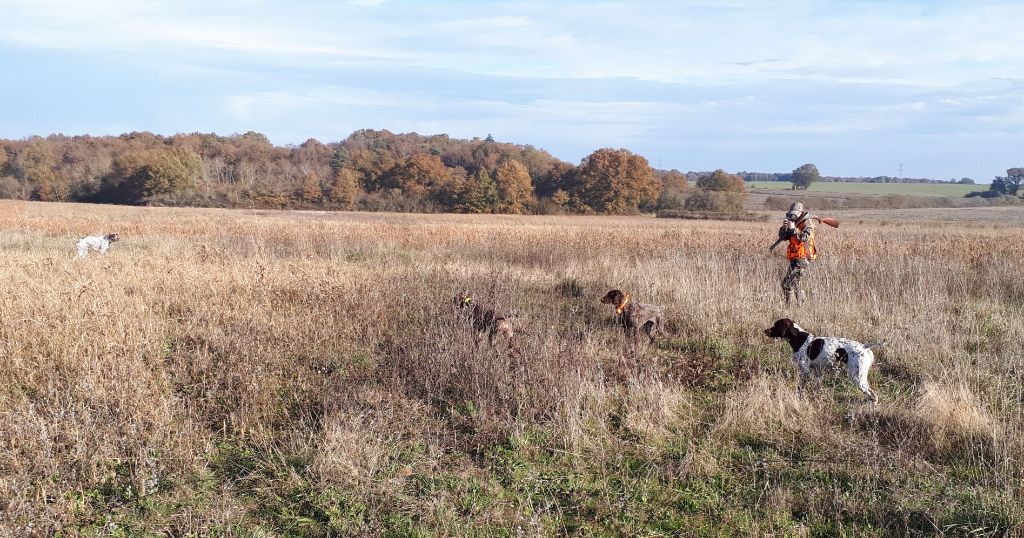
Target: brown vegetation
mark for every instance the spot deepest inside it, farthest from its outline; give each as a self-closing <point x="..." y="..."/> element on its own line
<point x="369" y="170"/>
<point x="259" y="372"/>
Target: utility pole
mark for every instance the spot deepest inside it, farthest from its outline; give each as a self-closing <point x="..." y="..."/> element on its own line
<point x="900" y="174"/>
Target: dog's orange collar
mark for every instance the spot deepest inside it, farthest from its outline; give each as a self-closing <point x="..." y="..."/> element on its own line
<point x="621" y="307"/>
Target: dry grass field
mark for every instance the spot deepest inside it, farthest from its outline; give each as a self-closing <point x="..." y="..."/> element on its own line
<point x="239" y="373"/>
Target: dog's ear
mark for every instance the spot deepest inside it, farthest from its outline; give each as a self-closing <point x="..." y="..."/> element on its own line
<point x="789" y="328"/>
<point x="612" y="297"/>
<point x="782" y="328"/>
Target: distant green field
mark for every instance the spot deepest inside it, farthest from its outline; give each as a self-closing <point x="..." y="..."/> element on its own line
<point x="919" y="189"/>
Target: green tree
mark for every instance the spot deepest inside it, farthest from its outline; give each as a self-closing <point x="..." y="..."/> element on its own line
<point x="720" y="181"/>
<point x="804" y="176"/>
<point x="719" y="192"/>
<point x="172" y="172"/>
<point x="614" y="181"/>
<point x="997" y="187"/>
<point x="1013" y="181"/>
<point x="339" y="160"/>
<point x="515" y="189"/>
<point x="481" y="193"/>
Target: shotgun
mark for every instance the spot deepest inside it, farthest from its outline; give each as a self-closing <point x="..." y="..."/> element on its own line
<point x="828" y="220"/>
<point x="785" y="231"/>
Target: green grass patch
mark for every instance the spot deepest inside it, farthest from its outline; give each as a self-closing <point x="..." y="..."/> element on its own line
<point x="916" y="189"/>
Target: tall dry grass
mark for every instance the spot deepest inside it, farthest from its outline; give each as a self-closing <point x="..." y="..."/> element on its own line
<point x="241" y="372"/>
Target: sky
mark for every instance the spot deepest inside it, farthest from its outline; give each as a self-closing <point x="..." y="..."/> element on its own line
<point x="856" y="87"/>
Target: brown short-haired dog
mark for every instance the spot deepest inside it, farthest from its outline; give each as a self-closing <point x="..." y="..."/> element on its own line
<point x="634" y="316"/>
<point x="485" y="318"/>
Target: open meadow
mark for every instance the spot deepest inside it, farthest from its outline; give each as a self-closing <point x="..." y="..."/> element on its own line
<point x="261" y="373"/>
<point x="851" y="187"/>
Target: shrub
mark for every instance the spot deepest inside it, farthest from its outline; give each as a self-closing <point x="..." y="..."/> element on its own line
<point x="711" y="215"/>
<point x="714" y="201"/>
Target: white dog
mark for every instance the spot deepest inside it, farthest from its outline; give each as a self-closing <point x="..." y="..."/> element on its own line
<point x="99" y="243"/>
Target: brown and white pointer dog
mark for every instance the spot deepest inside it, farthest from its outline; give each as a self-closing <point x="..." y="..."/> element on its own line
<point x="814" y="352"/>
<point x="485" y="318"/>
<point x="634" y="316"/>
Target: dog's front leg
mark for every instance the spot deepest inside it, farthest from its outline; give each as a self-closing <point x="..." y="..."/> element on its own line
<point x="805" y="372"/>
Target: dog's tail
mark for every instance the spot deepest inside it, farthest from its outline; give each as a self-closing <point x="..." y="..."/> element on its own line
<point x="875" y="344"/>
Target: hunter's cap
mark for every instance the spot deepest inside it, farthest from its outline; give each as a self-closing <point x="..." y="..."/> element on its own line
<point x="795" y="211"/>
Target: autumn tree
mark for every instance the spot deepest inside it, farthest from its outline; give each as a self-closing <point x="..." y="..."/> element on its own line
<point x="674" y="187"/>
<point x="418" y="175"/>
<point x="248" y="170"/>
<point x="345" y="188"/>
<point x="804" y="176"/>
<point x="452" y="193"/>
<point x="560" y="198"/>
<point x="313" y="155"/>
<point x="35" y="165"/>
<point x="311" y="190"/>
<point x="515" y="189"/>
<point x="614" y="181"/>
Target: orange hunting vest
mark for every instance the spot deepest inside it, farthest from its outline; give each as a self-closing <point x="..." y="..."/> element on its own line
<point x="797" y="249"/>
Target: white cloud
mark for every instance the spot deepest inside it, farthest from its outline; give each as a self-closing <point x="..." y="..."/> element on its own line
<point x="662" y="75"/>
<point x="901" y="42"/>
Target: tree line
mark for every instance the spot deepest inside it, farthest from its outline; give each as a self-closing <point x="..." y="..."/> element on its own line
<point x="369" y="170"/>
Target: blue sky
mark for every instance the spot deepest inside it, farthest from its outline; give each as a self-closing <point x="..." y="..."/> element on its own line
<point x="856" y="87"/>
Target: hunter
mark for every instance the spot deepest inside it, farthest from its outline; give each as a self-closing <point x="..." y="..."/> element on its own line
<point x="798" y="229"/>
